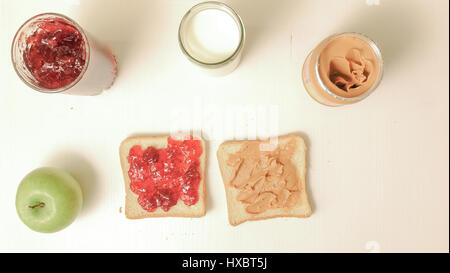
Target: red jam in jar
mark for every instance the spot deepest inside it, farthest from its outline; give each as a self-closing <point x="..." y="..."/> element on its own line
<point x="160" y="177"/>
<point x="55" y="53"/>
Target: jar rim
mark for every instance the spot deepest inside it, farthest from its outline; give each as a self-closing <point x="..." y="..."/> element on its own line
<point x="377" y="53"/>
<point x="212" y="5"/>
<point x="86" y="46"/>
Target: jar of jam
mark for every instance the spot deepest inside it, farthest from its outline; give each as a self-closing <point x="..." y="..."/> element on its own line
<point x="51" y="53"/>
<point x="343" y="69"/>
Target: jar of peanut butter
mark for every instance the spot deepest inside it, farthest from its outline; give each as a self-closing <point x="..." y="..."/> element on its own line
<point x="343" y="69"/>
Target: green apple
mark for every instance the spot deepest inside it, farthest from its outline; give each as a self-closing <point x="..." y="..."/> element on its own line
<point x="48" y="200"/>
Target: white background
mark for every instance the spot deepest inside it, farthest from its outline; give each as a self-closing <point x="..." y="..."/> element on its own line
<point x="378" y="172"/>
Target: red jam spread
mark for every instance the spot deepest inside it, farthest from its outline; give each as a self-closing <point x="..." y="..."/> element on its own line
<point x="162" y="176"/>
<point x="55" y="54"/>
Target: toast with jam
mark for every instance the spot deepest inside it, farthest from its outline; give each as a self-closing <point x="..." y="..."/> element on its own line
<point x="164" y="176"/>
<point x="264" y="179"/>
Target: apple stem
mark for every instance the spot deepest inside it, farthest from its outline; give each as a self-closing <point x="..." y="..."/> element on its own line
<point x="40" y="205"/>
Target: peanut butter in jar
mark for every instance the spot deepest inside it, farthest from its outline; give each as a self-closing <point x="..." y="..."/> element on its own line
<point x="343" y="69"/>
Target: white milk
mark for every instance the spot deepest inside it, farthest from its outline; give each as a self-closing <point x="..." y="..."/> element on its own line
<point x="212" y="36"/>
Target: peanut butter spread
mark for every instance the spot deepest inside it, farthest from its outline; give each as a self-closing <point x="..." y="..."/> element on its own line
<point x="348" y="66"/>
<point x="265" y="179"/>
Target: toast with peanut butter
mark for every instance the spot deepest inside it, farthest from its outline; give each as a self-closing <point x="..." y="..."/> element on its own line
<point x="264" y="180"/>
<point x="164" y="176"/>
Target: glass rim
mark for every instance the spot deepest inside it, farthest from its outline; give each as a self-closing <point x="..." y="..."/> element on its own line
<point x="220" y="6"/>
<point x="87" y="50"/>
<point x="375" y="49"/>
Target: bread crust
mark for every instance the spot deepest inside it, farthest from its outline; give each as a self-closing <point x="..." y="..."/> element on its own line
<point x="132" y="208"/>
<point x="231" y="198"/>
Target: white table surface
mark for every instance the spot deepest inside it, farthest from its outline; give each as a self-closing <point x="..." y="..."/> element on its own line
<point x="378" y="170"/>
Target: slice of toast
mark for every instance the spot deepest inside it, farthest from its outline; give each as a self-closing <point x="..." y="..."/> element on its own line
<point x="133" y="209"/>
<point x="237" y="212"/>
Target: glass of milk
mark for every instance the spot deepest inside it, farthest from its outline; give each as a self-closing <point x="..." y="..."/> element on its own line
<point x="212" y="36"/>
